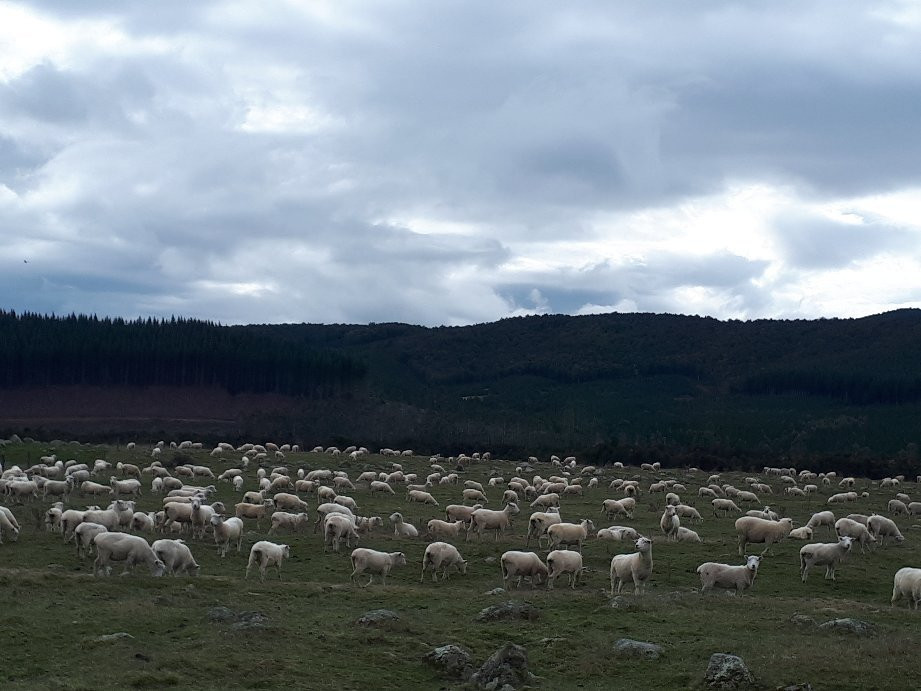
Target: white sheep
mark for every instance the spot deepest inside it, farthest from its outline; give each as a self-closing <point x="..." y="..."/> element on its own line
<point x="564" y="561"/>
<point x="372" y="562"/>
<point x="724" y="505"/>
<point x="227" y="530"/>
<point x="128" y="549"/>
<point x="289" y="502"/>
<point x="881" y="528"/>
<point x="669" y="523"/>
<point x="443" y="529"/>
<point x="441" y="555"/>
<point x="756" y="530"/>
<point x="488" y="519"/>
<point x="686" y="535"/>
<point x="538" y="523"/>
<point x="636" y="566"/>
<point x="289" y="521"/>
<point x="826" y="518"/>
<point x="267" y="554"/>
<point x="336" y="528"/>
<point x="421" y="497"/>
<point x="516" y="564"/>
<point x="825" y="554"/>
<point x="854" y="529"/>
<point x="689" y="512"/>
<point x="803" y="533"/>
<point x="177" y="557"/>
<point x="907" y="584"/>
<point x="714" y="575"/>
<point x="615" y="507"/>
<point x="570" y="533"/>
<point x="401" y="528"/>
<point x="83" y="537"/>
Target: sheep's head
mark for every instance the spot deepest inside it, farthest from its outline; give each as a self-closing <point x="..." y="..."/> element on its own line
<point x="846" y="541"/>
<point x="644" y="544"/>
<point x="463" y="567"/>
<point x="752" y="563"/>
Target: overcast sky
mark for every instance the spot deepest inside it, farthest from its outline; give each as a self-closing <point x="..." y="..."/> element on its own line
<point x="459" y="162"/>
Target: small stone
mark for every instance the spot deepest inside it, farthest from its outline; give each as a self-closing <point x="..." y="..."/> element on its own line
<point x="221" y="614"/>
<point x="848" y="625"/>
<point x="727" y="672"/>
<point x="622" y="602"/>
<point x="495" y="591"/>
<point x="626" y="647"/>
<point x="109" y="637"/>
<point x="491" y="560"/>
<point x="805" y="686"/>
<point x="505" y="670"/>
<point x="250" y="620"/>
<point x="509" y="610"/>
<point x="377" y="616"/>
<point x="452" y="660"/>
<point x="802" y="620"/>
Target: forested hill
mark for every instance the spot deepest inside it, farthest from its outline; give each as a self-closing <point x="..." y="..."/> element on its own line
<point x="606" y="384"/>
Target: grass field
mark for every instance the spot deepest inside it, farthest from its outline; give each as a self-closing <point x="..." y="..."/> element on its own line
<point x="52" y="608"/>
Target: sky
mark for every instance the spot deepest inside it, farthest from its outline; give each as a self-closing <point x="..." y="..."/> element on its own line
<point x="458" y="162"/>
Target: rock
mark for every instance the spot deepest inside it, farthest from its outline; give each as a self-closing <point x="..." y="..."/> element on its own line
<point x="251" y="620"/>
<point x="626" y="647"/>
<point x="509" y="610"/>
<point x="221" y="614"/>
<point x="377" y="616"/>
<point x="452" y="660"/>
<point x="848" y="625"/>
<point x="109" y="637"/>
<point x="495" y="591"/>
<point x="727" y="672"/>
<point x="491" y="560"/>
<point x="622" y="602"/>
<point x="803" y="620"/>
<point x="805" y="686"/>
<point x="507" y="668"/>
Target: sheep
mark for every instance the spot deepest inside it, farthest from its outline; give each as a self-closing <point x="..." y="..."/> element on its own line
<point x="764" y="513"/>
<point x="914" y="508"/>
<point x="441" y="555"/>
<point x="323" y="510"/>
<point x="826" y="554"/>
<point x="686" y="535"/>
<point x="365" y="524"/>
<point x="53" y="518"/>
<point x="546" y="501"/>
<point x="267" y="554"/>
<point x="570" y="533"/>
<point x="564" y="561"/>
<point x="487" y="519"/>
<point x="636" y="566"/>
<point x="336" y="528"/>
<point x="372" y="562"/>
<point x="439" y="528"/>
<point x="669" y="523"/>
<point x="130" y="549"/>
<point x="724" y="505"/>
<point x="714" y="575"/>
<point x="897" y="507"/>
<point x="459" y="512"/>
<point x="522" y="565"/>
<point x="225" y="531"/>
<point x="882" y="527"/>
<point x="689" y="512"/>
<point x="326" y="494"/>
<point x="176" y="556"/>
<point x="754" y="530"/>
<point x="907" y="584"/>
<point x="401" y="528"/>
<point x="201" y="518"/>
<point x="143" y="522"/>
<point x="289" y="521"/>
<point x="378" y="486"/>
<point x="539" y="522"/>
<point x="257" y="511"/>
<point x="57" y="488"/>
<point x="474" y="495"/>
<point x="804" y="533"/>
<point x="842" y="497"/>
<point x="855" y="530"/>
<point x="706" y="492"/>
<point x="614" y="507"/>
<point x="826" y="518"/>
<point x="618" y="533"/>
<point x="289" y="502"/>
<point x="421" y="497"/>
<point x="83" y="537"/>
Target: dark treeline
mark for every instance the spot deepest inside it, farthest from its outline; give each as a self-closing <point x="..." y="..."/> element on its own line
<point x="39" y="350"/>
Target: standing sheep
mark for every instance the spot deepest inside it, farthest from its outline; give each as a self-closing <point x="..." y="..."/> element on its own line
<point x="825" y="554"/>
<point x="564" y="561"/>
<point x="636" y="566"/>
<point x="372" y="562"/>
<point x="756" y="530"/>
<point x="441" y="555"/>
<point x="907" y="584"/>
<point x="522" y="565"/>
<point x="714" y="575"/>
<point x="267" y="554"/>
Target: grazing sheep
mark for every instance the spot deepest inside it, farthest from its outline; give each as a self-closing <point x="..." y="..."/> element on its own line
<point x="615" y="507"/>
<point x="143" y="522"/>
<point x="826" y="554"/>
<point x="441" y="555"/>
<point x="257" y="511"/>
<point x="323" y="510"/>
<point x="689" y="512"/>
<point x="739" y="578"/>
<point x="546" y="501"/>
<point x="853" y="529"/>
<point x="636" y="566"/>
<point x="564" y="561"/>
<point x="225" y="531"/>
<point x="764" y="513"/>
<point x="746" y="496"/>
<point x="401" y="528"/>
<point x="882" y="527"/>
<point x="896" y="507"/>
<point x="347" y="502"/>
<point x="538" y="523"/>
<point x="474" y="495"/>
<point x="487" y="519"/>
<point x="378" y="486"/>
<point x="459" y="512"/>
<point x="176" y="556"/>
<point x="267" y="554"/>
<point x="129" y="549"/>
<point x="372" y="562"/>
<point x="289" y="521"/>
<point x="842" y="497"/>
<point x="289" y="502"/>
<point x="83" y="537"/>
<point x="907" y="584"/>
<point x="725" y="506"/>
<point x="755" y="530"/>
<point x="421" y="497"/>
<point x="826" y="518"/>
<point x="522" y="565"/>
<point x="570" y="533"/>
<point x="914" y="508"/>
<point x="618" y="533"/>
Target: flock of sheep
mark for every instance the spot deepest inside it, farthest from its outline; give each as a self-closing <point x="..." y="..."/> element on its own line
<point x="272" y="491"/>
